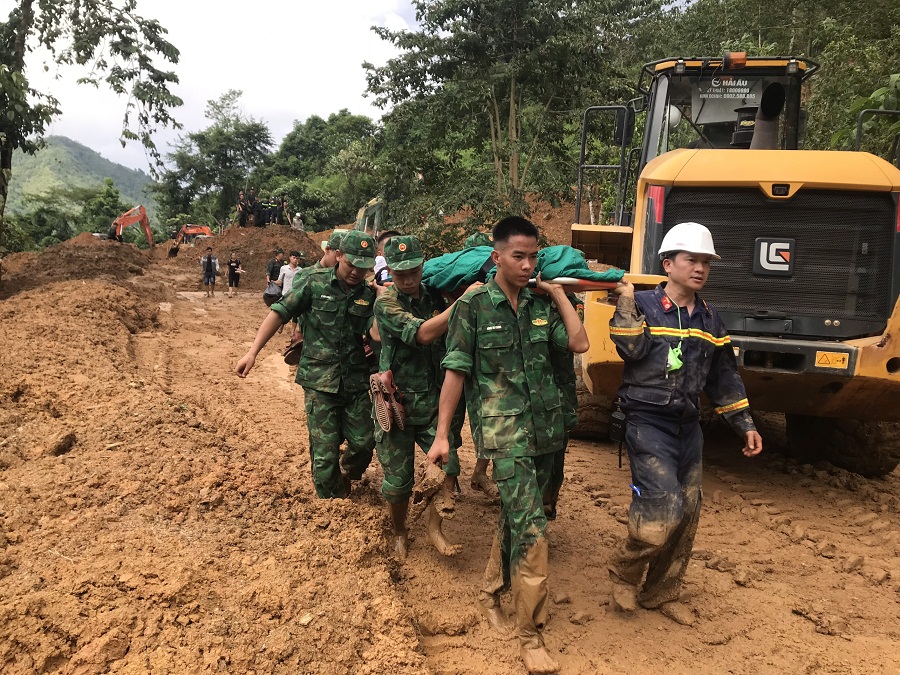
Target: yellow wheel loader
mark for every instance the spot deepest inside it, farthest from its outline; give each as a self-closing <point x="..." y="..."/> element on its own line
<point x="809" y="278"/>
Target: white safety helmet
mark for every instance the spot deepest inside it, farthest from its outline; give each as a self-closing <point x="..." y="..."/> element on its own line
<point x="690" y="237"/>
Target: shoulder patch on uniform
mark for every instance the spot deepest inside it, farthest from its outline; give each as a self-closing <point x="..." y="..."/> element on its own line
<point x="666" y="303"/>
<point x="493" y="327"/>
<point x="360" y="301"/>
<point x="539" y="321"/>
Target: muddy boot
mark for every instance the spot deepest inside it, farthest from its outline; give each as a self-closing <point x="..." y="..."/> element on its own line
<point x="400" y="537"/>
<point x="436" y="535"/>
<point x="489" y="597"/>
<point x="530" y="596"/>
<point x="677" y="612"/>
<point x="624" y="597"/>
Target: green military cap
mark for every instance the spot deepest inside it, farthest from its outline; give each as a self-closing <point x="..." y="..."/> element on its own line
<point x="403" y="253"/>
<point x="334" y="241"/>
<point x="359" y="248"/>
<point x="479" y="239"/>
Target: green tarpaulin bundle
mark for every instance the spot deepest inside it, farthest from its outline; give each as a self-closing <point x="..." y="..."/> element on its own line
<point x="452" y="271"/>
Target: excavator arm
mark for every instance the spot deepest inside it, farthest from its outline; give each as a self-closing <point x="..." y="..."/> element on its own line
<point x="136" y="215"/>
<point x="192" y="230"/>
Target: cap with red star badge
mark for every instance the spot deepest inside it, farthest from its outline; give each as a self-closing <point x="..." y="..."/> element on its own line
<point x="403" y="253"/>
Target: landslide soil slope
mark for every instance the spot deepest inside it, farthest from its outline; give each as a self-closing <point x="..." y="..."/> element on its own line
<point x="158" y="515"/>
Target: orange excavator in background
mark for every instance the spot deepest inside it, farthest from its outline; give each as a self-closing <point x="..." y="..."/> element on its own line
<point x="192" y="231"/>
<point x="136" y="215"/>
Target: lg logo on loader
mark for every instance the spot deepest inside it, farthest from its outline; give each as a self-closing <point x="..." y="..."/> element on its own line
<point x="774" y="257"/>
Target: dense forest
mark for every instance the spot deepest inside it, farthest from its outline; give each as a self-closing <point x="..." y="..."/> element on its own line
<point x="483" y="106"/>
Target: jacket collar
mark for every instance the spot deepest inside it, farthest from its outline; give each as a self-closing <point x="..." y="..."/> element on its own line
<point x="669" y="306"/>
<point x="497" y="295"/>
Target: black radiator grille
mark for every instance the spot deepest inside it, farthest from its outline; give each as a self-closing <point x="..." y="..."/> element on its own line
<point x="842" y="259"/>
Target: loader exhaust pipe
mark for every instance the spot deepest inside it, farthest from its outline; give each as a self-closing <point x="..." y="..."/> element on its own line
<point x="765" y="131"/>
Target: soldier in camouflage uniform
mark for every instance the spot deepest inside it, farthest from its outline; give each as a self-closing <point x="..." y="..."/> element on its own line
<point x="336" y="307"/>
<point x="412" y="320"/>
<point x="480" y="480"/>
<point x="498" y="346"/>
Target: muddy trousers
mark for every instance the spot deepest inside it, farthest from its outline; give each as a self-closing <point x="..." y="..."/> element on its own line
<point x="519" y="555"/>
<point x="554" y="485"/>
<point x="397" y="455"/>
<point x="332" y="418"/>
<point x="665" y="454"/>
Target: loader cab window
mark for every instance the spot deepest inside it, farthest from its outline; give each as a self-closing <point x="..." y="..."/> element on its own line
<point x="691" y="111"/>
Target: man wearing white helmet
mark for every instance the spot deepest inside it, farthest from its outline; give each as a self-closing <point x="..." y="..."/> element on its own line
<point x="674" y="346"/>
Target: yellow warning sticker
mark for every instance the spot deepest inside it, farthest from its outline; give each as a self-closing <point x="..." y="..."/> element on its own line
<point x="832" y="360"/>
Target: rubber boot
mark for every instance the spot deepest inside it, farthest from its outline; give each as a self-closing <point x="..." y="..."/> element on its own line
<point x="489" y="596"/>
<point x="400" y="536"/>
<point x="530" y="598"/>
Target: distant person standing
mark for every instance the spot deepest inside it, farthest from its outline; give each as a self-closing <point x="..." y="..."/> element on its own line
<point x="210" y="265"/>
<point x="286" y="278"/>
<point x="242" y="209"/>
<point x="288" y="272"/>
<point x="273" y="271"/>
<point x="297" y="222"/>
<point x="273" y="268"/>
<point x="234" y="274"/>
<point x="251" y="208"/>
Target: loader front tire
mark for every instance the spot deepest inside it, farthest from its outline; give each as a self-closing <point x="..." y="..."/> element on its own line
<point x="871" y="449"/>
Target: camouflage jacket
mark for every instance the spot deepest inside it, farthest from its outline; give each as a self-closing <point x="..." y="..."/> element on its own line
<point x="644" y="329"/>
<point x="334" y="322"/>
<point x="416" y="368"/>
<point x="505" y="357"/>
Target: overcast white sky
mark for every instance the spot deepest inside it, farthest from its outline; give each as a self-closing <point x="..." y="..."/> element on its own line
<point x="291" y="60"/>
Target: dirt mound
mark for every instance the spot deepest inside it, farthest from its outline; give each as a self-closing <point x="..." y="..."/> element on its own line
<point x="83" y="257"/>
<point x="84" y="239"/>
<point x="144" y="526"/>
<point x="254" y="247"/>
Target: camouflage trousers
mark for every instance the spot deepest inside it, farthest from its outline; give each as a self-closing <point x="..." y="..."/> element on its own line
<point x="666" y="472"/>
<point x="397" y="454"/>
<point x="332" y="418"/>
<point x="557" y="475"/>
<point x="522" y="482"/>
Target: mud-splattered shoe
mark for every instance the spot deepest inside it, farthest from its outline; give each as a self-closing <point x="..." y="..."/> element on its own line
<point x="380" y="400"/>
<point x="624" y="597"/>
<point x="392" y="397"/>
<point x="678" y="612"/>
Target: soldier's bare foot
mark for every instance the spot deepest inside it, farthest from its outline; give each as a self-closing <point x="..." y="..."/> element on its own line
<point x="538" y="661"/>
<point x="490" y="609"/>
<point x="401" y="545"/>
<point x="482" y="483"/>
<point x="436" y="534"/>
<point x="678" y="613"/>
<point x="624" y="597"/>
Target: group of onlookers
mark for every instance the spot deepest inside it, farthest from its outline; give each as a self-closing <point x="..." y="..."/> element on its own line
<point x="253" y="211"/>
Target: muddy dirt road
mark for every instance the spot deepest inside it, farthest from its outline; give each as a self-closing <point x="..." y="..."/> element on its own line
<point x="158" y="516"/>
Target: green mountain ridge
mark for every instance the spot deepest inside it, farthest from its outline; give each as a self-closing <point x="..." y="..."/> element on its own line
<point x="67" y="163"/>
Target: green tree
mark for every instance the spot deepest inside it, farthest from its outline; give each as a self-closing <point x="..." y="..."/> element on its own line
<point x="208" y="168"/>
<point x="116" y="43"/>
<point x="100" y="210"/>
<point x="492" y="87"/>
